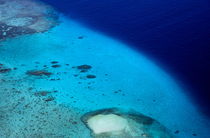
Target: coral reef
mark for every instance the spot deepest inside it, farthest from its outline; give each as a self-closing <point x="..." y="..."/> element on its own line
<point x="18" y="17"/>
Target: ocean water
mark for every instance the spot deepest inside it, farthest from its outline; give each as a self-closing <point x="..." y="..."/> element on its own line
<point x="173" y="33"/>
<point x="123" y="74"/>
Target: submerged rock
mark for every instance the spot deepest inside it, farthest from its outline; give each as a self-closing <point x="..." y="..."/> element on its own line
<point x="116" y="123"/>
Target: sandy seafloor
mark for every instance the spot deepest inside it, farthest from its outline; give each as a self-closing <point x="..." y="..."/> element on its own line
<point x="125" y="78"/>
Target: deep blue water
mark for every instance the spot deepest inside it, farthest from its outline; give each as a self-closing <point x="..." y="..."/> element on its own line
<point x="174" y="33"/>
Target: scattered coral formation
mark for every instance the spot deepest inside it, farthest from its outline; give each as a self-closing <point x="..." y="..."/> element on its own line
<point x="28" y="111"/>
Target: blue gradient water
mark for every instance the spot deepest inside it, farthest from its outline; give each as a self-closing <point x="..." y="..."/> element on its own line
<point x="173" y="33"/>
<point x="148" y="56"/>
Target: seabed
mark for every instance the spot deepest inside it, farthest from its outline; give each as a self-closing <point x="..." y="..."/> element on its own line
<point x="51" y="76"/>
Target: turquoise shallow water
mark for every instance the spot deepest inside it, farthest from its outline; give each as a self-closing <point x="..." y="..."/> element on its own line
<point x="124" y="78"/>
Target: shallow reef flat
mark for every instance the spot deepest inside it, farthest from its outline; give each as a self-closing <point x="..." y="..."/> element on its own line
<point x="18" y="17"/>
<point x="27" y="114"/>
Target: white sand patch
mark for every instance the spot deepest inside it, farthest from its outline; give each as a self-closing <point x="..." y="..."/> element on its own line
<point x="119" y="123"/>
<point x="107" y="123"/>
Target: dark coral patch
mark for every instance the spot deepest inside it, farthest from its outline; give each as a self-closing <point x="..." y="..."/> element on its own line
<point x="91" y="76"/>
<point x="5" y="70"/>
<point x="80" y="37"/>
<point x="194" y="134"/>
<point x="84" y="67"/>
<point x="42" y="93"/>
<point x="176" y="132"/>
<point x="54" y="62"/>
<point x="50" y="99"/>
<point x="39" y="73"/>
<point x="56" y="66"/>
